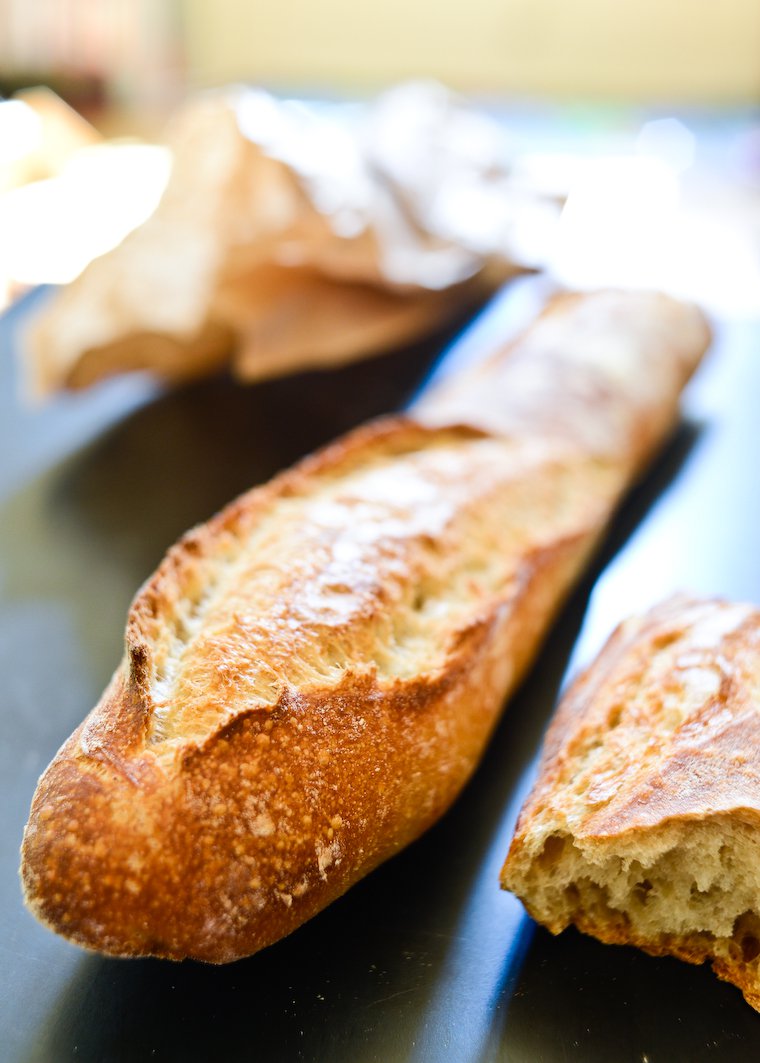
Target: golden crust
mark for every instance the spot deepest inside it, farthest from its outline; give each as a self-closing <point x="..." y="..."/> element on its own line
<point x="311" y="677"/>
<point x="643" y="826"/>
<point x="704" y="657"/>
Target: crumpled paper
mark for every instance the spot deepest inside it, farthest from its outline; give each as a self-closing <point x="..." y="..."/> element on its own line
<point x="296" y="234"/>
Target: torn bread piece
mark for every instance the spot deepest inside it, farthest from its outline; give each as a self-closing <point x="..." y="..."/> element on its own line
<point x="289" y="319"/>
<point x="292" y="237"/>
<point x="644" y="825"/>
<point x="311" y="677"/>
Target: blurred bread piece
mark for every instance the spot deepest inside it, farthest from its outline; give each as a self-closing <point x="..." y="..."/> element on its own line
<point x="288" y="319"/>
<point x="643" y="827"/>
<point x="147" y="303"/>
<point x="283" y="240"/>
<point x="40" y="134"/>
<point x="311" y="677"/>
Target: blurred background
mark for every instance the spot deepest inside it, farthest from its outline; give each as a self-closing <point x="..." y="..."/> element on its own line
<point x="593" y="81"/>
<point x="150" y="52"/>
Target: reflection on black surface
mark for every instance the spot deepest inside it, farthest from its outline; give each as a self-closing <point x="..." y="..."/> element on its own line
<point x="604" y="1003"/>
<point x="645" y="494"/>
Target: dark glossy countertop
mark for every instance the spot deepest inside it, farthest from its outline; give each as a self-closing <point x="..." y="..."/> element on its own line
<point x="426" y="959"/>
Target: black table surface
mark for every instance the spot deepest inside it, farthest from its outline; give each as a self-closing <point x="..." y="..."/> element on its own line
<point x="426" y="960"/>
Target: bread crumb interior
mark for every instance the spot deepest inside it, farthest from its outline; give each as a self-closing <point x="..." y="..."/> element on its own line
<point x="701" y="884"/>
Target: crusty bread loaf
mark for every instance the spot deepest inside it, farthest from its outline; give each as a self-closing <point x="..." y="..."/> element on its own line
<point x="644" y="825"/>
<point x="311" y="677"/>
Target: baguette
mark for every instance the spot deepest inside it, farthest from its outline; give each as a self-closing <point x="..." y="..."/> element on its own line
<point x="644" y="825"/>
<point x="311" y="677"/>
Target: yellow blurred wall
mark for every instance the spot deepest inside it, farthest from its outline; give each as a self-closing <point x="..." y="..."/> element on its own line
<point x="703" y="50"/>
